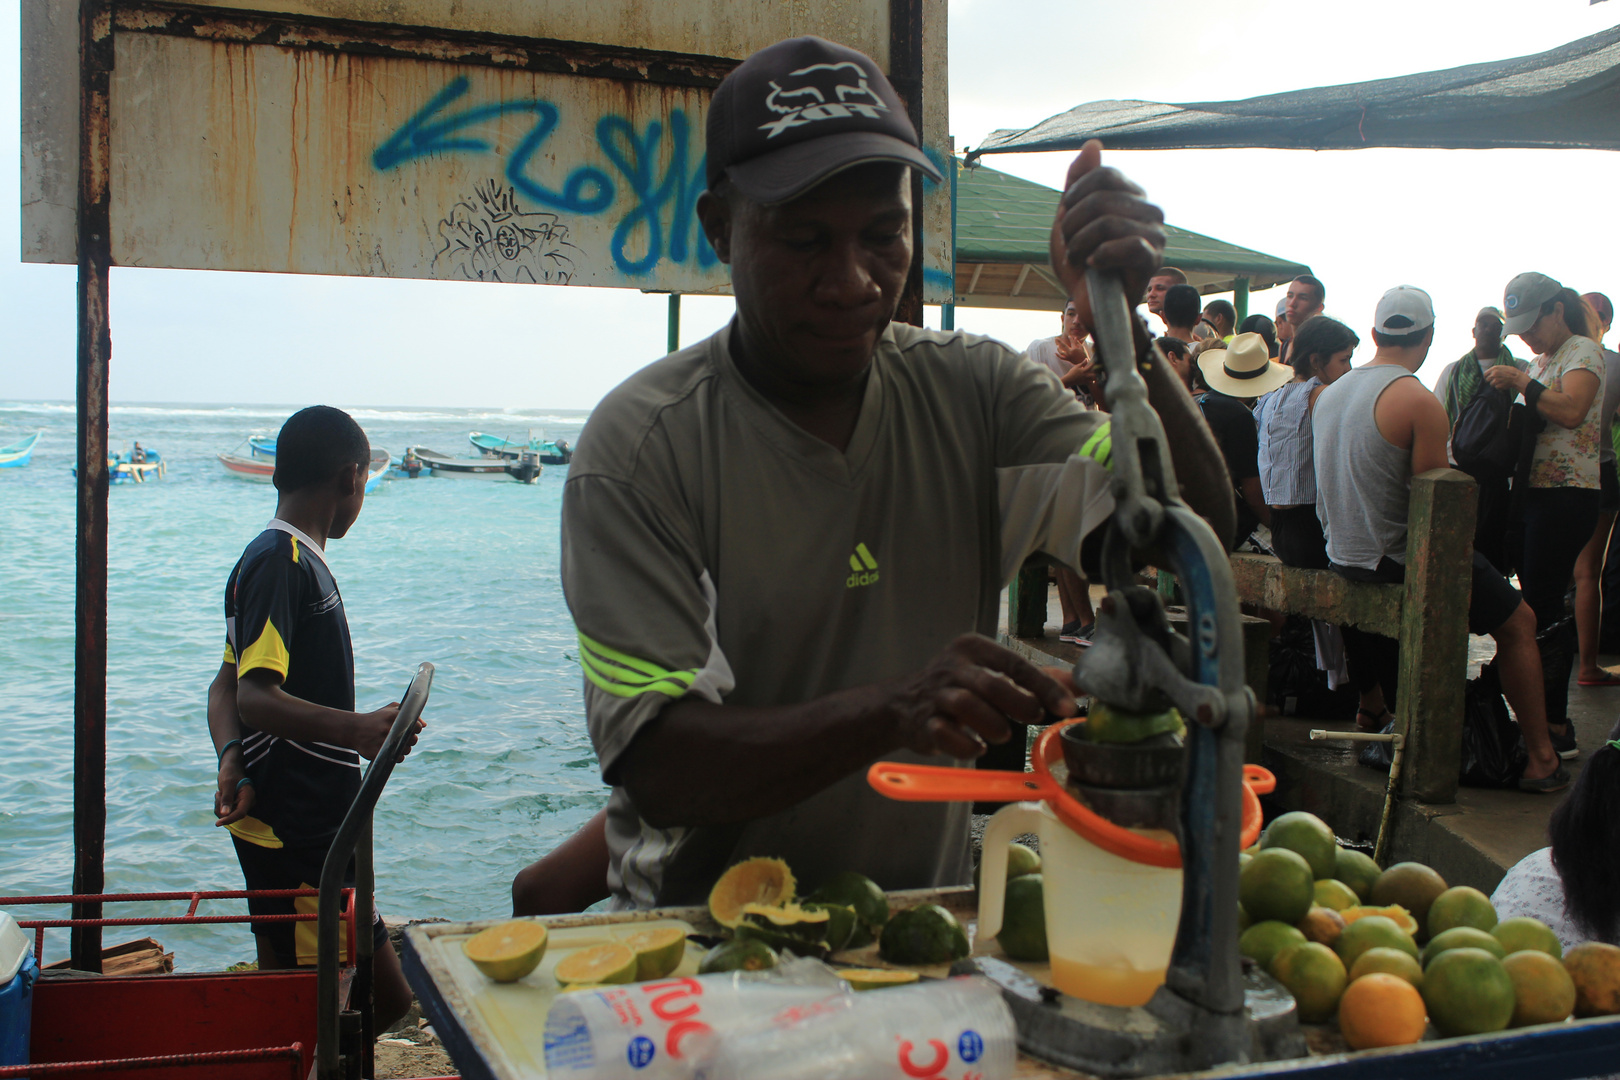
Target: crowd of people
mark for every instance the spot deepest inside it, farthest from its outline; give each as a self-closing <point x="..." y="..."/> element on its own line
<point x="1280" y="395"/>
<point x="784" y="547"/>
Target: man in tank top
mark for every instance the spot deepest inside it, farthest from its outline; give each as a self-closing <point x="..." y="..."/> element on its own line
<point x="1373" y="430"/>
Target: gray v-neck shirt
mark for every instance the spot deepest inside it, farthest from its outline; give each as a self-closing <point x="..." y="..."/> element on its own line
<point x="712" y="547"/>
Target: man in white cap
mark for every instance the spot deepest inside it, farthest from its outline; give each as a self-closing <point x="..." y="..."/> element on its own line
<point x="1375" y="428"/>
<point x="784" y="547"/>
<point x="1459" y="383"/>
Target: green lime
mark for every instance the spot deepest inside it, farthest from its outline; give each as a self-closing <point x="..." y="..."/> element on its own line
<point x="1023" y="919"/>
<point x="1307" y="834"/>
<point x="1277" y="885"/>
<point x="925" y="934"/>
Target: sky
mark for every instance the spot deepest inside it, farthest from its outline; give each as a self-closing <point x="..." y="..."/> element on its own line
<point x="1459" y="223"/>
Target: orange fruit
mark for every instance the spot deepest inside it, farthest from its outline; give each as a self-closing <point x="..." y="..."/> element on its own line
<point x="1468" y="992"/>
<point x="1277" y="885"/>
<point x="1394" y="912"/>
<point x="1381" y="1009"/>
<point x="1543" y="992"/>
<point x="1412" y="885"/>
<point x="1388" y="962"/>
<point x="1372" y="932"/>
<point x="1595" y="968"/>
<point x="1315" y="975"/>
<point x="1321" y="924"/>
<point x="1264" y="940"/>
<point x="1461" y="905"/>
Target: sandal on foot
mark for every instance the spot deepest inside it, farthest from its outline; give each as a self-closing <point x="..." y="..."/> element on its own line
<point x="1605" y="678"/>
<point x="1378" y="720"/>
<point x="1558" y="780"/>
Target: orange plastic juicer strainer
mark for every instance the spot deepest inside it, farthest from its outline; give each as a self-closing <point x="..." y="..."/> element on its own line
<point x="935" y="783"/>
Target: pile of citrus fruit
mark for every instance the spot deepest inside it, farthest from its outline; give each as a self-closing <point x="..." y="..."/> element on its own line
<point x="755" y="901"/>
<point x="1392" y="951"/>
<point x="511" y="950"/>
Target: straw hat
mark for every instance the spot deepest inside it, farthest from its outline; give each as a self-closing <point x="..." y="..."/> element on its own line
<point x="1244" y="368"/>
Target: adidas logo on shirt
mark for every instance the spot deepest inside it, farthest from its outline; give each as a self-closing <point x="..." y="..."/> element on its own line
<point x="864" y="566"/>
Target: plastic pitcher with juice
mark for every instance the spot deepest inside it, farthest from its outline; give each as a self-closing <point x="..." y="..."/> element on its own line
<point x="1110" y="922"/>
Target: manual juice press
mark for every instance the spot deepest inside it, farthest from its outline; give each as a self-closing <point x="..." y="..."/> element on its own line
<point x="1139" y="842"/>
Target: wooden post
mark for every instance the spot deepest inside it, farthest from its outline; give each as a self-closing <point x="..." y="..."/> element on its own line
<point x="674" y="322"/>
<point x="94" y="354"/>
<point x="1026" y="600"/>
<point x="1434" y="632"/>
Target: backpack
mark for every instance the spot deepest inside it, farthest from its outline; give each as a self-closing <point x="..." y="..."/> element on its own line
<point x="1488" y="435"/>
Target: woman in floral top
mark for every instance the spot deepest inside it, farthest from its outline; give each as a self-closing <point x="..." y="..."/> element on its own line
<point x="1560" y="507"/>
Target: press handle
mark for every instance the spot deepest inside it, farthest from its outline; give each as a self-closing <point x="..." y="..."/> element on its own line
<point x="941" y="783"/>
<point x="1009" y="823"/>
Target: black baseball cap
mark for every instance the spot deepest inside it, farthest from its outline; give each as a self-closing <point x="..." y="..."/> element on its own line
<point x="799" y="111"/>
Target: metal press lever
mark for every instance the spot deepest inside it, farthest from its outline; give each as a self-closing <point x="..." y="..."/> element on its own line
<point x="1137" y="662"/>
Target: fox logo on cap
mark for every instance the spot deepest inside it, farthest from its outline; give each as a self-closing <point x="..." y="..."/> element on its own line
<point x="821" y="92"/>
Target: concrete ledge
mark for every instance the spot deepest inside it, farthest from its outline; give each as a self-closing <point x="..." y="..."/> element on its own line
<point x="1473" y="841"/>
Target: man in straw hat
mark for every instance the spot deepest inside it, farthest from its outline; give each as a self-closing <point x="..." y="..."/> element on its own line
<point x="1373" y="429"/>
<point x="772" y="541"/>
<point x="1235" y="376"/>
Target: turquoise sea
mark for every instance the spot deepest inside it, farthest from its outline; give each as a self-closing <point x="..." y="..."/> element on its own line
<point x="462" y="573"/>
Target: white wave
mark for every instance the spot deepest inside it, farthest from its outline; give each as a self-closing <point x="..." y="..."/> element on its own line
<point x="499" y="418"/>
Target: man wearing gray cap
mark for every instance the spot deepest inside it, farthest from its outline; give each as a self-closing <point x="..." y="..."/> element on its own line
<point x="784" y="547"/>
<point x="1459" y="383"/>
<point x="1374" y="429"/>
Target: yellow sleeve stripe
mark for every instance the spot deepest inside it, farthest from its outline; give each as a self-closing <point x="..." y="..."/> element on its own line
<point x="230" y="654"/>
<point x="1099" y="447"/>
<point x="622" y="675"/>
<point x="268" y="652"/>
<point x="294" y="540"/>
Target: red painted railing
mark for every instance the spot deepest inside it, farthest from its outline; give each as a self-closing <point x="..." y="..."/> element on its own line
<point x="39" y="926"/>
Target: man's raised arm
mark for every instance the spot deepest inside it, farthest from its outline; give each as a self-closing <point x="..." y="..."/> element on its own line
<point x="1104" y="221"/>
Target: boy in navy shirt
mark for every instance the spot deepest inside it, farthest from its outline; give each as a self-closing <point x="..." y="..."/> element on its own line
<point x="281" y="709"/>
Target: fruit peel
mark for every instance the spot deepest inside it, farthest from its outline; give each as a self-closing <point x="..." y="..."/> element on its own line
<point x="759" y="880"/>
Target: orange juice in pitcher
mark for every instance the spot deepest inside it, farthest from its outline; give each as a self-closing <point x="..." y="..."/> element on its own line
<point x="1110" y="922"/>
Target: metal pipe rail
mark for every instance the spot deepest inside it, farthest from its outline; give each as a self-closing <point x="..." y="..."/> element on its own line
<point x="356" y="824"/>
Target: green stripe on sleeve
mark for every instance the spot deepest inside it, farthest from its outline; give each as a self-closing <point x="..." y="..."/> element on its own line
<point x="625" y="676"/>
<point x="1099" y="446"/>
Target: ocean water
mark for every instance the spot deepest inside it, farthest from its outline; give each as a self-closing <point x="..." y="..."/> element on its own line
<point x="462" y="573"/>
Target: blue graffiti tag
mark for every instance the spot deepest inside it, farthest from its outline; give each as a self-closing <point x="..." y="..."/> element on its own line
<point x="587" y="189"/>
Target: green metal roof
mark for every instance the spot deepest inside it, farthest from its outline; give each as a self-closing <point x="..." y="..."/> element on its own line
<point x="1002" y="219"/>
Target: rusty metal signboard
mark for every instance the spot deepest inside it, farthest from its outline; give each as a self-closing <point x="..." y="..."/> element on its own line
<point x="542" y="143"/>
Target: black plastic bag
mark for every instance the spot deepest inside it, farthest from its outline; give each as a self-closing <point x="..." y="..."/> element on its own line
<point x="1493" y="754"/>
<point x="1295" y="686"/>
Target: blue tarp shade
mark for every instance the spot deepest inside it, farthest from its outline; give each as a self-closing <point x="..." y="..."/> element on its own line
<point x="1568" y="97"/>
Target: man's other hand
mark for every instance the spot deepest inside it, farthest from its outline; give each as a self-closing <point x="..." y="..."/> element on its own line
<point x="233" y="800"/>
<point x="1104" y="221"/>
<point x="971" y="694"/>
<point x="372" y="731"/>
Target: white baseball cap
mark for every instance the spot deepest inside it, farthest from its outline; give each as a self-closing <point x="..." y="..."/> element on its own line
<point x="1405" y="309"/>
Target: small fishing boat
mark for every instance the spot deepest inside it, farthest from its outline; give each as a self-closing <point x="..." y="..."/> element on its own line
<point x="551" y="451"/>
<point x="408" y="467"/>
<point x="248" y="468"/>
<point x="381" y="462"/>
<point x="262" y="446"/>
<point x="525" y="470"/>
<point x="17" y="454"/>
<point x="136" y="467"/>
